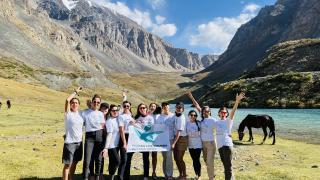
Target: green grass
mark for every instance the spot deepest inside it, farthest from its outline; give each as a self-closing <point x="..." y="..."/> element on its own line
<point x="31" y="143"/>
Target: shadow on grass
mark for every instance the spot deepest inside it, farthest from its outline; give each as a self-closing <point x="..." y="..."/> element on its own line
<point x="79" y="177"/>
<point x="240" y="143"/>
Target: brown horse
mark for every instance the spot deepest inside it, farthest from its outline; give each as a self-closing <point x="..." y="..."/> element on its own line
<point x="257" y="121"/>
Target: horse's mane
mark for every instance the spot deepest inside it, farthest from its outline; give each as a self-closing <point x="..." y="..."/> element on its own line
<point x="242" y="125"/>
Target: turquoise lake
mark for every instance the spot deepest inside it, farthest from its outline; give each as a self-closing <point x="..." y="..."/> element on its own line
<point x="297" y="124"/>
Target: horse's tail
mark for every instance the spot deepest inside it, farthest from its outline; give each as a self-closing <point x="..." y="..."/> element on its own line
<point x="271" y="127"/>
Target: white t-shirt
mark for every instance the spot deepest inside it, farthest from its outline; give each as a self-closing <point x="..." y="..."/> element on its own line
<point x="93" y="120"/>
<point x="156" y="118"/>
<point x="224" y="132"/>
<point x="168" y="120"/>
<point x="207" y="125"/>
<point x="145" y="121"/>
<point x="124" y="121"/>
<point x="194" y="138"/>
<point x="180" y="125"/>
<point x="73" y="123"/>
<point x="112" y="126"/>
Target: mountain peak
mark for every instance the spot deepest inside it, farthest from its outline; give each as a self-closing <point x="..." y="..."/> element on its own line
<point x="70" y="4"/>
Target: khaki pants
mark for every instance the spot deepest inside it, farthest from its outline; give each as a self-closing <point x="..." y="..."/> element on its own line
<point x="209" y="151"/>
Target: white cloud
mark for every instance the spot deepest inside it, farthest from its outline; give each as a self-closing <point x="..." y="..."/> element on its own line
<point x="143" y="18"/>
<point x="164" y="30"/>
<point x="251" y="8"/>
<point x="218" y="33"/>
<point x="160" y="19"/>
<point x="156" y="4"/>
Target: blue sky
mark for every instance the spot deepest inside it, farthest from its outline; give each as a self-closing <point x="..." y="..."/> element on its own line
<point x="201" y="26"/>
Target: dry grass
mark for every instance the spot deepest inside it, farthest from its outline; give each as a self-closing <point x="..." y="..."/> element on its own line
<point x="31" y="143"/>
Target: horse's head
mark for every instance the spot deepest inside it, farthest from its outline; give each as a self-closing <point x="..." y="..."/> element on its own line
<point x="241" y="134"/>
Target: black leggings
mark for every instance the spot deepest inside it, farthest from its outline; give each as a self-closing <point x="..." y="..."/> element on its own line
<point x="226" y="158"/>
<point x="195" y="155"/>
<point x="146" y="164"/>
<point x="114" y="160"/>
<point x="92" y="149"/>
<point x="123" y="159"/>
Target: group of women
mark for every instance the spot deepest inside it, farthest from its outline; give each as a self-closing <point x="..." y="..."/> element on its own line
<point x="107" y="137"/>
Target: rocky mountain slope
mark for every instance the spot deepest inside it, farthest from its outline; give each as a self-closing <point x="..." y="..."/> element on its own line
<point x="46" y="42"/>
<point x="286" y="20"/>
<point x="299" y="56"/>
<point x="111" y="33"/>
<point x="287" y="78"/>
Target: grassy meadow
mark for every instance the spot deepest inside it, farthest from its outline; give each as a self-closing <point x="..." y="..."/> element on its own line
<point x="31" y="143"/>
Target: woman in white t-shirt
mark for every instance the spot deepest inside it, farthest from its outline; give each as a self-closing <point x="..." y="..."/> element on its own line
<point x="194" y="142"/>
<point x="207" y="136"/>
<point x="94" y="124"/>
<point x="124" y="120"/>
<point x="72" y="148"/>
<point x="145" y="121"/>
<point x="154" y="111"/>
<point x="111" y="149"/>
<point x="224" y="140"/>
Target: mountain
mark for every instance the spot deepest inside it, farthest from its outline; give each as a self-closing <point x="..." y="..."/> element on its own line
<point x="61" y="45"/>
<point x="286" y="20"/>
<point x="114" y="34"/>
<point x="287" y="78"/>
<point x="284" y="90"/>
<point x="299" y="56"/>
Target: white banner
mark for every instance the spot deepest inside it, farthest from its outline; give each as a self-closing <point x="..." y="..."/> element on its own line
<point x="148" y="138"/>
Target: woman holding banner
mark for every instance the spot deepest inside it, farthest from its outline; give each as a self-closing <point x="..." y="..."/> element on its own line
<point x="144" y="121"/>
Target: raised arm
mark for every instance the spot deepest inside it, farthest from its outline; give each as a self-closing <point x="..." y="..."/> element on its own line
<point x="239" y="97"/>
<point x="194" y="102"/>
<point x="67" y="104"/>
<point x="124" y="96"/>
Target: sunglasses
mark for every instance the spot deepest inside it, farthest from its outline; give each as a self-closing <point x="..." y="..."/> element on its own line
<point x="114" y="110"/>
<point x="193" y="115"/>
<point x="96" y="102"/>
<point x="126" y="106"/>
<point x="223" y="112"/>
<point x="142" y="107"/>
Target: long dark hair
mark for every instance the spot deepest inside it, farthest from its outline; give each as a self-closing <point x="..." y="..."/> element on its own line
<point x="110" y="108"/>
<point x="196" y="121"/>
<point x="157" y="110"/>
<point x="138" y="110"/>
